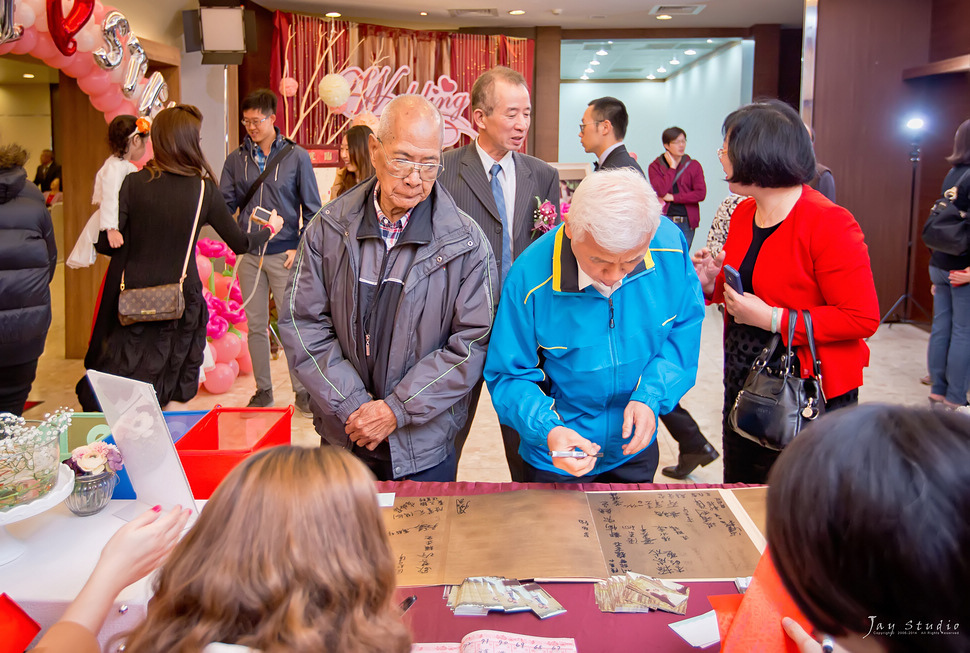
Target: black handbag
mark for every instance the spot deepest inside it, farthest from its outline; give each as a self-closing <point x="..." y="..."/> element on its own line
<point x="774" y="405"/>
<point x="946" y="229"/>
<point x="157" y="303"/>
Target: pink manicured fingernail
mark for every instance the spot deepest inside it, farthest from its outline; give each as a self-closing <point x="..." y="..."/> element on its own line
<point x="156" y="508"/>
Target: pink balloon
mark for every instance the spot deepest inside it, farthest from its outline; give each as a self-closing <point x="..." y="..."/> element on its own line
<point x="44" y="47"/>
<point x="234" y="364"/>
<point x="26" y="42"/>
<point x="205" y="269"/>
<point x="245" y="362"/>
<point x="226" y="348"/>
<point x="99" y="11"/>
<point x="219" y="379"/>
<point x="58" y="61"/>
<point x="125" y="109"/>
<point x="107" y="101"/>
<point x="6" y="47"/>
<point x="81" y="64"/>
<point x="96" y="83"/>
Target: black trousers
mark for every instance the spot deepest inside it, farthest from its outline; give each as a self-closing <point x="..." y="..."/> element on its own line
<point x="510" y="438"/>
<point x="684" y="430"/>
<point x="446" y="471"/>
<point x="15" y="384"/>
<point x="639" y="469"/>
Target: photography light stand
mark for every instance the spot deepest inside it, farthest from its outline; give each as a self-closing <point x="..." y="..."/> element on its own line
<point x="906" y="298"/>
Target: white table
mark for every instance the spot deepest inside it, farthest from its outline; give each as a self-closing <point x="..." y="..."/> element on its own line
<point x="62" y="550"/>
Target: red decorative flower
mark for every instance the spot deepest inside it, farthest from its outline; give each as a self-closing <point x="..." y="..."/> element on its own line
<point x="545" y="217"/>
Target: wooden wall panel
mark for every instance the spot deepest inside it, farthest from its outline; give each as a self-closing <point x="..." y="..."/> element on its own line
<point x="545" y="123"/>
<point x="950" y="29"/>
<point x="767" y="56"/>
<point x="860" y="105"/>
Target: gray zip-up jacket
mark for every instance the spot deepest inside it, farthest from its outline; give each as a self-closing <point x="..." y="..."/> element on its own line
<point x="428" y="347"/>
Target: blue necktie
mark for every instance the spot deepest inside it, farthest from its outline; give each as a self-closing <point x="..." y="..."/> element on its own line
<point x="499" y="194"/>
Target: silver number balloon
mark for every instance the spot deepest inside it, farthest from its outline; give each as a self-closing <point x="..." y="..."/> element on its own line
<point x="113" y="27"/>
<point x="137" y="66"/>
<point x="8" y="31"/>
<point x="154" y="97"/>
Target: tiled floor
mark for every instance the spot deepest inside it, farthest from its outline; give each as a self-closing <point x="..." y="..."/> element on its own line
<point x="897" y="362"/>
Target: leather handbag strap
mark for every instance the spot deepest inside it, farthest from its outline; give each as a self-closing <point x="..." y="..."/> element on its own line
<point x="679" y="173"/>
<point x="195" y="224"/>
<point x="188" y="253"/>
<point x="810" y="331"/>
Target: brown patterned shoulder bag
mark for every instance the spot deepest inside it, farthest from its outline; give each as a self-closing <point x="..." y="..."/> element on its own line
<point x="157" y="303"/>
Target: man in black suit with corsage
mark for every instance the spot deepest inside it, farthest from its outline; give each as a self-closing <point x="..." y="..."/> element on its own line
<point x="501" y="189"/>
<point x="601" y="132"/>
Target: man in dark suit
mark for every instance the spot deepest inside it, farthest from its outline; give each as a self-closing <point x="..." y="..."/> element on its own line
<point x="47" y="171"/>
<point x="601" y="133"/>
<point x="497" y="186"/>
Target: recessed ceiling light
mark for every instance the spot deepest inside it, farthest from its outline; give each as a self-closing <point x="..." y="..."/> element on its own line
<point x="651" y="76"/>
<point x="594" y="62"/>
<point x="601" y="53"/>
<point x="664" y="17"/>
<point x="332" y="14"/>
<point x="585" y="77"/>
<point x="424" y="13"/>
<point x="589" y="70"/>
<point x="661" y="69"/>
<point x="28" y="76"/>
<point x="690" y="52"/>
<point x="710" y="40"/>
<point x="674" y="61"/>
<point x="517" y="12"/>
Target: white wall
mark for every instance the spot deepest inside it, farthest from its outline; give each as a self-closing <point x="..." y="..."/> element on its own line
<point x="25" y="119"/>
<point x="203" y="86"/>
<point x="697" y="101"/>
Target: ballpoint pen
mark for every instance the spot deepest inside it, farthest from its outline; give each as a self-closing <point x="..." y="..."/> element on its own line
<point x="575" y="453"/>
<point x="407" y="603"/>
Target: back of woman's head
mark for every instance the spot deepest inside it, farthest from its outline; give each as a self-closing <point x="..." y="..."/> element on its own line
<point x="176" y="143"/>
<point x="769" y="146"/>
<point x="961" y="146"/>
<point x="869" y="518"/>
<point x="289" y="554"/>
<point x="359" y="150"/>
<point x="119" y="134"/>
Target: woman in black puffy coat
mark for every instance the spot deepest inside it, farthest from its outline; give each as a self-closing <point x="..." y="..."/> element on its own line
<point x="28" y="257"/>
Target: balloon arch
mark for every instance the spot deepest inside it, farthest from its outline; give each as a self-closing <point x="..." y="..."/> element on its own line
<point x="91" y="43"/>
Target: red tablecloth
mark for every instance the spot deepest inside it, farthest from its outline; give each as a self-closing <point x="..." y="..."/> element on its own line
<point x="430" y="620"/>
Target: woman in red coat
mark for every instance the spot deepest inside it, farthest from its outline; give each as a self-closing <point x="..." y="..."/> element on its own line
<point x="795" y="250"/>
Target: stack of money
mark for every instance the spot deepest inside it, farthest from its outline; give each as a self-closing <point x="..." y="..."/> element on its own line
<point x="632" y="592"/>
<point x="483" y="594"/>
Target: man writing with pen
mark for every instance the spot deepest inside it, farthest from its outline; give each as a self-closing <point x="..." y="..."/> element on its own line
<point x="597" y="333"/>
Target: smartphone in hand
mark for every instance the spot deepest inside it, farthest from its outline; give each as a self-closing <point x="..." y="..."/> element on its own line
<point x="733" y="279"/>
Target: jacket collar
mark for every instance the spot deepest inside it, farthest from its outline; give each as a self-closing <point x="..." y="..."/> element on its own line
<point x="249" y="145"/>
<point x="565" y="267"/>
<point x="12" y="181"/>
<point x="418" y="230"/>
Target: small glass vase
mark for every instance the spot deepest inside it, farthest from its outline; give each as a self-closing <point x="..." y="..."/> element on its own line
<point x="91" y="494"/>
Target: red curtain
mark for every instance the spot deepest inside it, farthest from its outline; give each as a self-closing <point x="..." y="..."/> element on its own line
<point x="306" y="48"/>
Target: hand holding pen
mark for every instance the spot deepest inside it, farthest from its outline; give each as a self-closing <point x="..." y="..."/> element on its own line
<point x="577" y="454"/>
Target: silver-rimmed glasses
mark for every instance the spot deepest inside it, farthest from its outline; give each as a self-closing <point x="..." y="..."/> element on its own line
<point x="402" y="168"/>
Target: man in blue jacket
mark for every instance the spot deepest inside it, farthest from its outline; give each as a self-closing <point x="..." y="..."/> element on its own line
<point x="597" y="333"/>
<point x="268" y="171"/>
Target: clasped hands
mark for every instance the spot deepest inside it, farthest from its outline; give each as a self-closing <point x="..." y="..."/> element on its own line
<point x="638" y="422"/>
<point x="370" y="424"/>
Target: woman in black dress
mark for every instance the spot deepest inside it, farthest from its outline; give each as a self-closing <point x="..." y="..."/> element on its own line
<point x="156" y="211"/>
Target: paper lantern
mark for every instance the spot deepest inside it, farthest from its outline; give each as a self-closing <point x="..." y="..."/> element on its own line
<point x="334" y="90"/>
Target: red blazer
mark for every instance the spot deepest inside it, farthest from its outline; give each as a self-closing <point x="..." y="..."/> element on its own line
<point x="691" y="185"/>
<point x="817" y="259"/>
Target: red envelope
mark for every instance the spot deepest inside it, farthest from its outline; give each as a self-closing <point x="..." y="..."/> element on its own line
<point x="17" y="629"/>
<point x="755" y="625"/>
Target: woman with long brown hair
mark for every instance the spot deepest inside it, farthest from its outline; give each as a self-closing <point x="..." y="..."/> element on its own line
<point x="356" y="158"/>
<point x="290" y="554"/>
<point x="156" y="211"/>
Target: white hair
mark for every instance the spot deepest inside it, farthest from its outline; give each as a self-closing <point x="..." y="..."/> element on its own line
<point x="617" y="208"/>
<point x="385" y="127"/>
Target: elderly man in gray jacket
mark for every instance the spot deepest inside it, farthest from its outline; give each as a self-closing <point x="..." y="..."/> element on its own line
<point x="390" y="307"/>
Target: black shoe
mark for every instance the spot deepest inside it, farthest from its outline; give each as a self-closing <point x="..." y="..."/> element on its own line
<point x="262" y="399"/>
<point x="688" y="462"/>
<point x="302" y="404"/>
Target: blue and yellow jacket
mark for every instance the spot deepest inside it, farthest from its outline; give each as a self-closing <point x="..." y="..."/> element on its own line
<point x="561" y="356"/>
